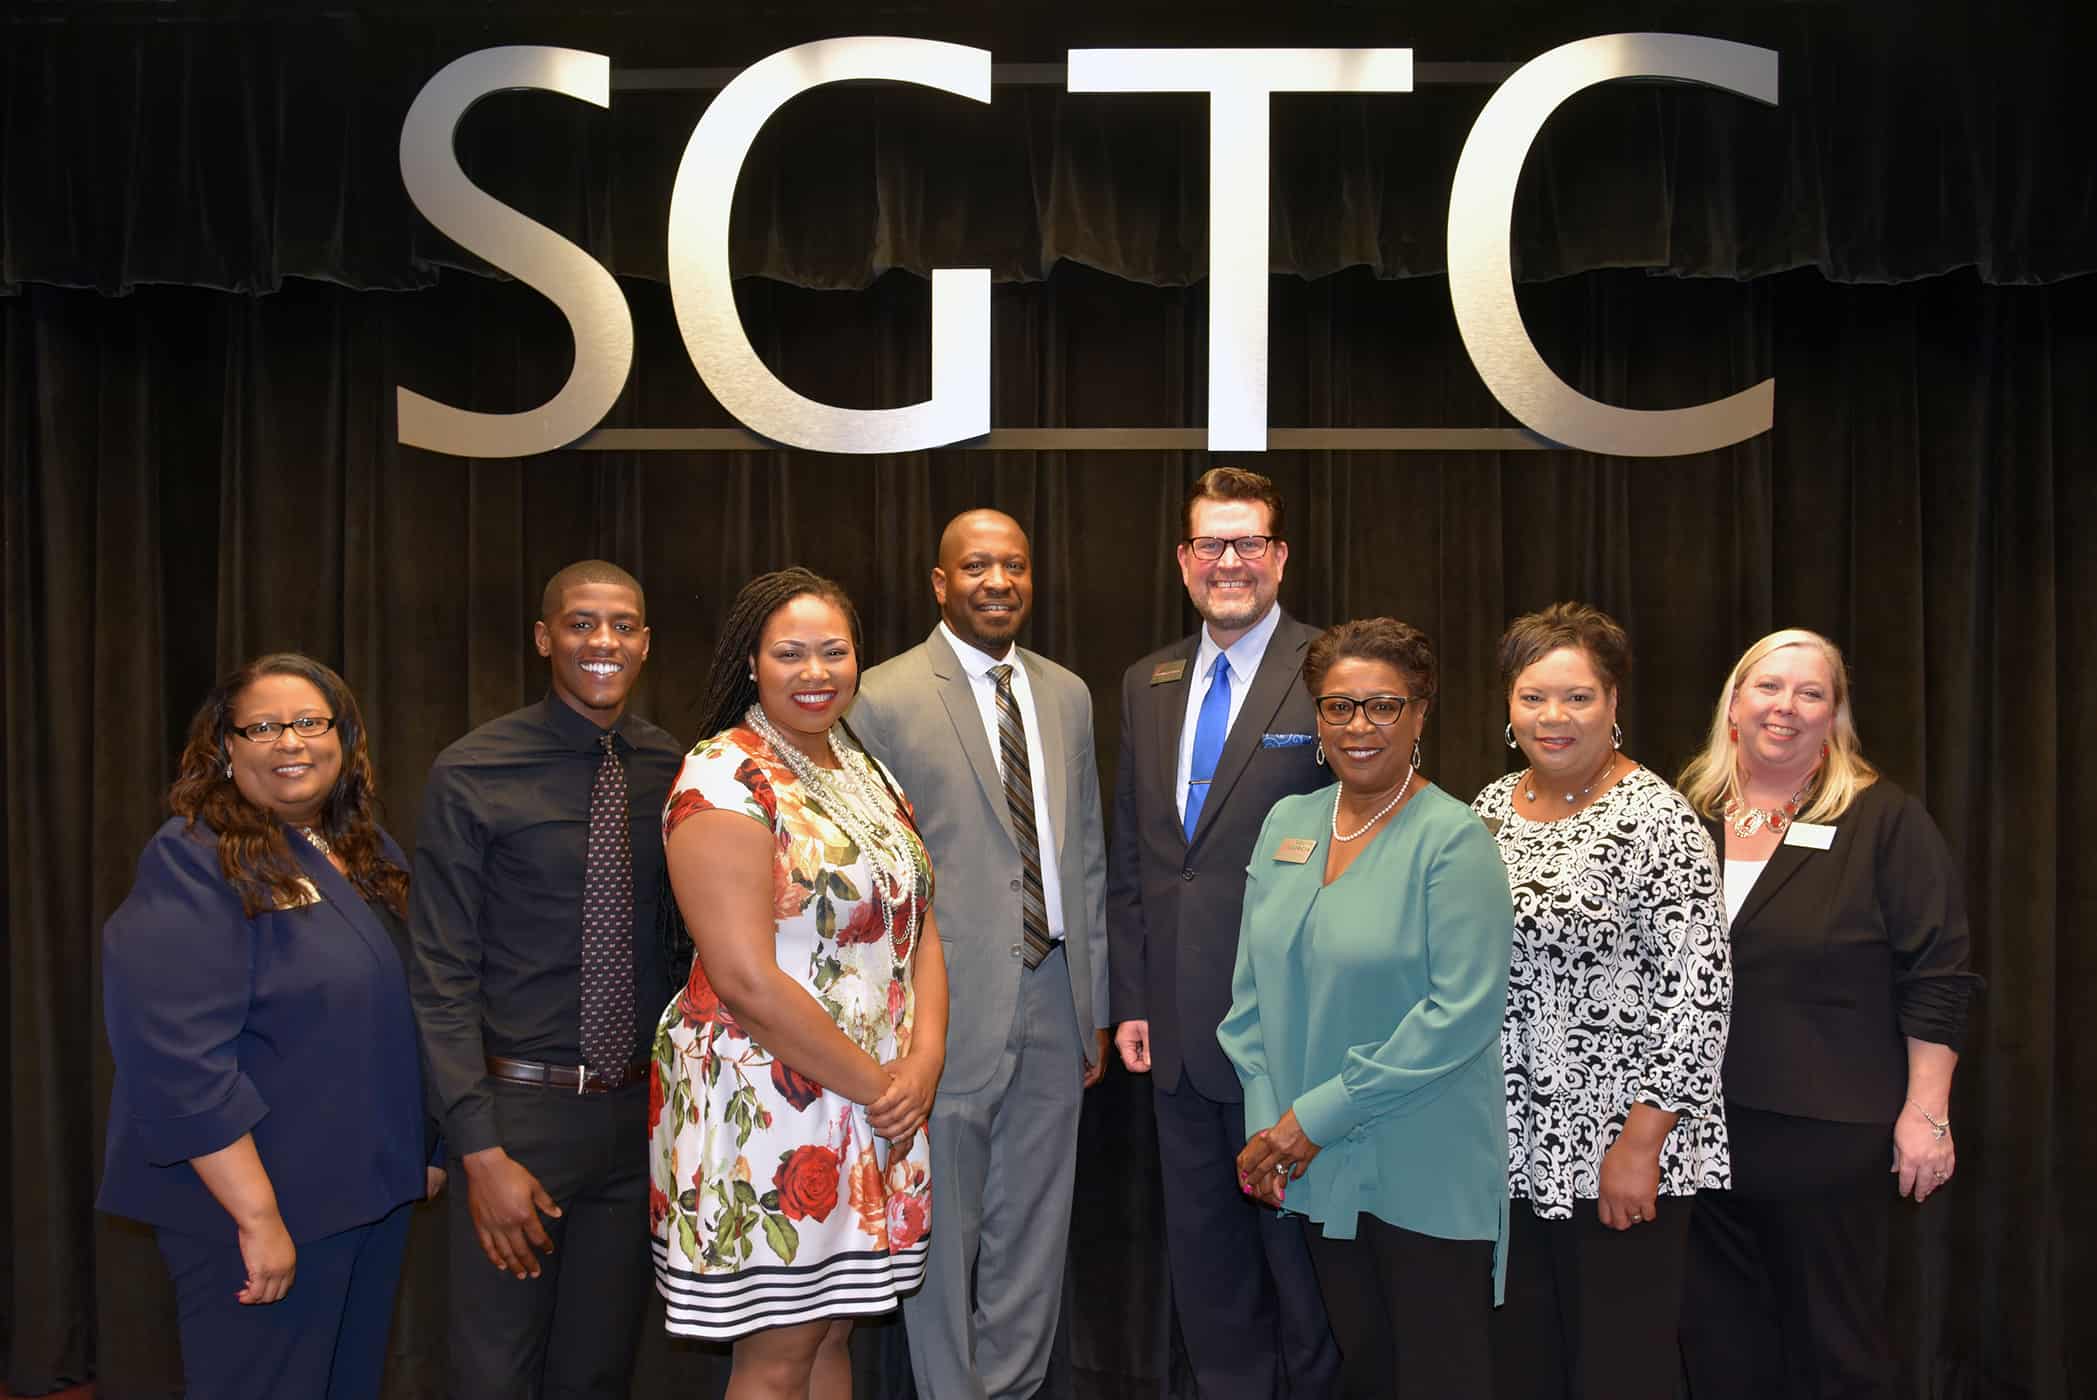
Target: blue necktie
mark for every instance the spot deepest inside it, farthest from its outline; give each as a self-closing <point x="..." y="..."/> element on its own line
<point x="1210" y="726"/>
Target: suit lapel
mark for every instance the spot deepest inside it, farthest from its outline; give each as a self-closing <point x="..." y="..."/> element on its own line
<point x="958" y="694"/>
<point x="1784" y="862"/>
<point x="1280" y="668"/>
<point x="1169" y="716"/>
<point x="1055" y="749"/>
<point x="339" y="895"/>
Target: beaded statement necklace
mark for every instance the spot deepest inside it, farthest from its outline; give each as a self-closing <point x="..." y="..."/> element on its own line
<point x="853" y="796"/>
<point x="1748" y="820"/>
<point x="319" y="842"/>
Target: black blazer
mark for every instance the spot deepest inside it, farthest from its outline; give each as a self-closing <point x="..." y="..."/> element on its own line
<point x="1172" y="904"/>
<point x="293" y="1025"/>
<point x="1838" y="955"/>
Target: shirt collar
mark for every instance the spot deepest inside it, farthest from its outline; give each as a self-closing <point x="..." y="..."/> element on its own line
<point x="974" y="660"/>
<point x="577" y="732"/>
<point x="1245" y="654"/>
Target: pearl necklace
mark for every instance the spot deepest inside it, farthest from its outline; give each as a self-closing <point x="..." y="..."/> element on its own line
<point x="1748" y="820"/>
<point x="854" y="797"/>
<point x="1341" y="791"/>
<point x="1529" y="788"/>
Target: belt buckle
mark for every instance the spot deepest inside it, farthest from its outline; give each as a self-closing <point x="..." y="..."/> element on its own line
<point x="582" y="1079"/>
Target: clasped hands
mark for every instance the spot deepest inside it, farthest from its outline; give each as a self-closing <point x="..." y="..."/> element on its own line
<point x="907" y="1101"/>
<point x="1274" y="1157"/>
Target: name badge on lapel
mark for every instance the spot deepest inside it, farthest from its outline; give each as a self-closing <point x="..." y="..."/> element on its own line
<point x="1295" y="850"/>
<point x="1168" y="671"/>
<point x="1813" y="836"/>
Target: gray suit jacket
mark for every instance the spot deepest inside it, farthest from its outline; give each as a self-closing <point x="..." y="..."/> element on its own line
<point x="917" y="714"/>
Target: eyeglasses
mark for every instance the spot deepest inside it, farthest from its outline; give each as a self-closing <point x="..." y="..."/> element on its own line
<point x="1209" y="548"/>
<point x="1383" y="710"/>
<point x="265" y="731"/>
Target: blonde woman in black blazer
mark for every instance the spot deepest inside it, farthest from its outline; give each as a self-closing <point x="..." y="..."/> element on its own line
<point x="1850" y="1000"/>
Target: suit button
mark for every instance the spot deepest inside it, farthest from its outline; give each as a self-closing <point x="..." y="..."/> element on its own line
<point x="1015" y="887"/>
<point x="1015" y="950"/>
<point x="1186" y="874"/>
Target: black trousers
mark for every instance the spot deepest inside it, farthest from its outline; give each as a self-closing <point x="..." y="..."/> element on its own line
<point x="1242" y="1282"/>
<point x="324" y="1340"/>
<point x="1591" y="1312"/>
<point x="570" y="1332"/>
<point x="1785" y="1294"/>
<point x="1409" y="1311"/>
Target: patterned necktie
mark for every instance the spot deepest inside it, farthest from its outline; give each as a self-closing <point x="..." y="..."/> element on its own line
<point x="1210" y="726"/>
<point x="607" y="923"/>
<point x="1019" y="800"/>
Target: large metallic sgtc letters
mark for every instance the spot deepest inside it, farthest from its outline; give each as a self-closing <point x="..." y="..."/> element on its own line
<point x="1239" y="83"/>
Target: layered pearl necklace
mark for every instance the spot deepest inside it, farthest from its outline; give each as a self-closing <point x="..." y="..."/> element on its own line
<point x="853" y="796"/>
<point x="1384" y="811"/>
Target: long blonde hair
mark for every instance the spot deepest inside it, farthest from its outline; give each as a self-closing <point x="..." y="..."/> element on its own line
<point x="1712" y="778"/>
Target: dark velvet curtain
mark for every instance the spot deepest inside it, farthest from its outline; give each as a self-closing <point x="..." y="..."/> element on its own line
<point x="216" y="282"/>
<point x="1913" y="137"/>
<point x="192" y="478"/>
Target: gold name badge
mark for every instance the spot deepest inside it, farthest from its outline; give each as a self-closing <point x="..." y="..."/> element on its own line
<point x="1167" y="671"/>
<point x="1295" y="850"/>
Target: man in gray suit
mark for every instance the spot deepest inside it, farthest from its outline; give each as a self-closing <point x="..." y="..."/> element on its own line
<point x="993" y="745"/>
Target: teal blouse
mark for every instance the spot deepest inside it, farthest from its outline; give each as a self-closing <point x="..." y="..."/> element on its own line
<point x="1372" y="1007"/>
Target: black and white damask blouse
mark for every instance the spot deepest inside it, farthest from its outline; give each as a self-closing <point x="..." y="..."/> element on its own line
<point x="1619" y="993"/>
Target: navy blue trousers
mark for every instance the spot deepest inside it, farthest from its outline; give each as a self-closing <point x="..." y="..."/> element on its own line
<point x="325" y="1339"/>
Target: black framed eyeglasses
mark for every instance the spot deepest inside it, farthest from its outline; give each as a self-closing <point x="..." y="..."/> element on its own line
<point x="1209" y="548"/>
<point x="265" y="731"/>
<point x="1383" y="710"/>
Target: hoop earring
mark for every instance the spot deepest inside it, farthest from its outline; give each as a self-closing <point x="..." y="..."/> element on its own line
<point x="1416" y="753"/>
<point x="1616" y="735"/>
<point x="1318" y="754"/>
<point x="1510" y="736"/>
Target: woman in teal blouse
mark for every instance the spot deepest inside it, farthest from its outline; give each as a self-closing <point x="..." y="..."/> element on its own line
<point x="1365" y="1027"/>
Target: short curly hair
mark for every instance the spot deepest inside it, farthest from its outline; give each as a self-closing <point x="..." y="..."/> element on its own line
<point x="1384" y="639"/>
<point x="1533" y="636"/>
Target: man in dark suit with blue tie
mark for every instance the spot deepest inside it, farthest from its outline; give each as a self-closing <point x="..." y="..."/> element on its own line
<point x="1215" y="729"/>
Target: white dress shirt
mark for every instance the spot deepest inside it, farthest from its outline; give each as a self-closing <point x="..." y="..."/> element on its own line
<point x="1245" y="655"/>
<point x="978" y="663"/>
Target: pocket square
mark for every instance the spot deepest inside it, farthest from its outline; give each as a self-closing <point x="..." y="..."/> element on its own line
<point x="1286" y="741"/>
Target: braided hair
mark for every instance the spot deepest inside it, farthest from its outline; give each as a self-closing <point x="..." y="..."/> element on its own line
<point x="731" y="691"/>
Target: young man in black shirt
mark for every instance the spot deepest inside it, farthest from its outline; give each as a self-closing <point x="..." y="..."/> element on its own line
<point x="537" y="981"/>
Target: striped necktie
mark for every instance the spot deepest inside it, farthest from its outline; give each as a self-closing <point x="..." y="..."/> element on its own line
<point x="1019" y="800"/>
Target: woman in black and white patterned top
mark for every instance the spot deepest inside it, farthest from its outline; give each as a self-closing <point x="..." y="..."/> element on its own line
<point x="1617" y="1006"/>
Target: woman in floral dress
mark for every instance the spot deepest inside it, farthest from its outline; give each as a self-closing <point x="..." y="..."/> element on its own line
<point x="794" y="1073"/>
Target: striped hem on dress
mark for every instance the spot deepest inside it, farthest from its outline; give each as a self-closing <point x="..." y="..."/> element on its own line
<point x="722" y="1306"/>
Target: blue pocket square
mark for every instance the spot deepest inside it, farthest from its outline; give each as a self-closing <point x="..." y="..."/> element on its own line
<point x="1286" y="741"/>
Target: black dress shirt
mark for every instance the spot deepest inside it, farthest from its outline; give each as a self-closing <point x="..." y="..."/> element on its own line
<point x="496" y="908"/>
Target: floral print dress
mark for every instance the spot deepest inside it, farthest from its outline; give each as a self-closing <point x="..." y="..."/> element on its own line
<point x="771" y="1202"/>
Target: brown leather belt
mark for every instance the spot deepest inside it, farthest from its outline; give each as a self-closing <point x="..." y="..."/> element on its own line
<point x="567" y="1077"/>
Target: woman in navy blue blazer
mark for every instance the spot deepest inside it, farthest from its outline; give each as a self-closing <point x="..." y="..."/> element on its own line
<point x="267" y="1116"/>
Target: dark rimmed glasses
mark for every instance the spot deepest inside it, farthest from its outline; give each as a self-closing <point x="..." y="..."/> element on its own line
<point x="265" y="731"/>
<point x="1209" y="548"/>
<point x="1383" y="710"/>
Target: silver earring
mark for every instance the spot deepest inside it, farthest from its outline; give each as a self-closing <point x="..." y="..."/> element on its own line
<point x="229" y="768"/>
<point x="1318" y="754"/>
<point x="1510" y="736"/>
<point x="1616" y="736"/>
<point x="1416" y="753"/>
